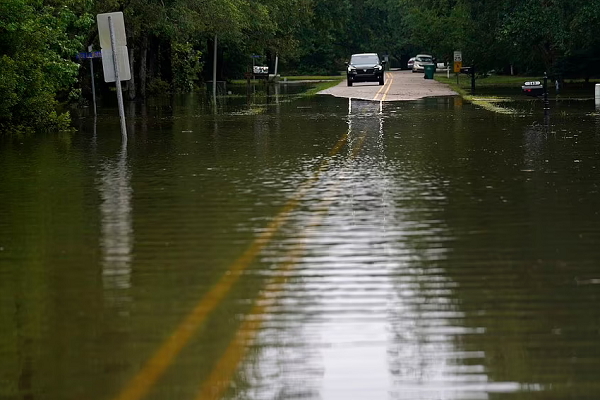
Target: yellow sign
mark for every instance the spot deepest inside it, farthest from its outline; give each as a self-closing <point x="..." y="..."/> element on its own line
<point x="457" y="66"/>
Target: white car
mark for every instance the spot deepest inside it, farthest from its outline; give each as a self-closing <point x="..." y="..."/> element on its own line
<point x="420" y="61"/>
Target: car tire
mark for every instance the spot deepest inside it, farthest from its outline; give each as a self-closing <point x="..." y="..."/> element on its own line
<point x="349" y="81"/>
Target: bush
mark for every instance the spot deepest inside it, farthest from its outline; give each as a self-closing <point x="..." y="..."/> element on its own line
<point x="158" y="86"/>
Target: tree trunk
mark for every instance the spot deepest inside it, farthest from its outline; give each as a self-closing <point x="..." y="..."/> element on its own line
<point x="131" y="82"/>
<point x="143" y="66"/>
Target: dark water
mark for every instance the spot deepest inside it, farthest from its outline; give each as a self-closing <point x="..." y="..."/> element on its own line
<point x="319" y="249"/>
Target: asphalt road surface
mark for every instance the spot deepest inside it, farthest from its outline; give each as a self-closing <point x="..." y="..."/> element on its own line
<point x="399" y="86"/>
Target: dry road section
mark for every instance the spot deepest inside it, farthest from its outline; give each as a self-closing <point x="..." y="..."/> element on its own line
<point x="399" y="86"/>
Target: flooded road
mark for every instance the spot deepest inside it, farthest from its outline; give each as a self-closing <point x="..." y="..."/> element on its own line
<point x="303" y="248"/>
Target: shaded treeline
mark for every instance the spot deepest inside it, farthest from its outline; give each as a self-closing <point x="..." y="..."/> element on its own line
<point x="171" y="41"/>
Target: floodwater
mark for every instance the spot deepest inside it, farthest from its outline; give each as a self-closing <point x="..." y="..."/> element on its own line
<point x="288" y="247"/>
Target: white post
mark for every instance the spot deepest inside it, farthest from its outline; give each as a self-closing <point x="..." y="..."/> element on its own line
<point x="215" y="70"/>
<point x="448" y="71"/>
<point x="597" y="97"/>
<point x="117" y="79"/>
<point x="276" y="63"/>
<point x="93" y="84"/>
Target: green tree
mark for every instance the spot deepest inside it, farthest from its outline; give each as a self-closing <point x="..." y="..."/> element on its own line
<point x="38" y="40"/>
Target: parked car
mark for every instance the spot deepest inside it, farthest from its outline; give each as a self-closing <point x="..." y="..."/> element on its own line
<point x="411" y="62"/>
<point x="420" y="61"/>
<point x="365" y="67"/>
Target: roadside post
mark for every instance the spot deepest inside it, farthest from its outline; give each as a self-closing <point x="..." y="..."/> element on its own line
<point x="546" y="102"/>
<point x="473" y="79"/>
<point x="254" y="56"/>
<point x="214" y="88"/>
<point x="457" y="63"/>
<point x="91" y="54"/>
<point x="597" y="96"/>
<point x="539" y="90"/>
<point x="93" y="83"/>
<point x="115" y="57"/>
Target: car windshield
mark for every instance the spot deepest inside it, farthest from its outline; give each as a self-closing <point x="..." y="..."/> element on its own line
<point x="370" y="59"/>
<point x="425" y="59"/>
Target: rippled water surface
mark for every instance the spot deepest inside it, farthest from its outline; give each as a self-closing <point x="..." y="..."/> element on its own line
<point x="303" y="248"/>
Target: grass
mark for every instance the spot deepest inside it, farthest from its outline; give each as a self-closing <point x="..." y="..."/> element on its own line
<point x="490" y="103"/>
<point x="314" y="77"/>
<point x="321" y="86"/>
<point x="336" y="78"/>
<point x="494" y="81"/>
<point x="500" y="81"/>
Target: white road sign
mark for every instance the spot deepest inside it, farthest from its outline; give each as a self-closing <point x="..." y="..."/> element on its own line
<point x="120" y="41"/>
<point x="109" y="66"/>
<point x="457" y="56"/>
<point x="104" y="31"/>
<point x="115" y="58"/>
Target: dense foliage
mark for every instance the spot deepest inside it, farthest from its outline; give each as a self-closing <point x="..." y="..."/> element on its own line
<point x="171" y="41"/>
<point x="38" y="41"/>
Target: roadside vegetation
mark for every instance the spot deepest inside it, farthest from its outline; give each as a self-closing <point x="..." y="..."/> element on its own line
<point x="334" y="78"/>
<point x="487" y="88"/>
<point x="171" y="43"/>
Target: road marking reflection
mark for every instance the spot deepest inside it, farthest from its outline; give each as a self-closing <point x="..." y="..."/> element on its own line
<point x="214" y="387"/>
<point x="154" y="368"/>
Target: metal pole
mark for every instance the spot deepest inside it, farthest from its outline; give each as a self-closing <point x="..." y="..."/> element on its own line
<point x="276" y="63"/>
<point x="473" y="80"/>
<point x="215" y="71"/>
<point x="546" y="102"/>
<point x="117" y="79"/>
<point x="93" y="84"/>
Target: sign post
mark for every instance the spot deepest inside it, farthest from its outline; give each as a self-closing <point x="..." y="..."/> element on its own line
<point x="93" y="83"/>
<point x="115" y="58"/>
<point x="457" y="63"/>
<point x="113" y="45"/>
<point x="214" y="88"/>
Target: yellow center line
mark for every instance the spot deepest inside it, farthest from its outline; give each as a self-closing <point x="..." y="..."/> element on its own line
<point x="215" y="385"/>
<point x="153" y="369"/>
<point x="391" y="80"/>
<point x="388" y="74"/>
<point x="378" y="92"/>
<point x="217" y="382"/>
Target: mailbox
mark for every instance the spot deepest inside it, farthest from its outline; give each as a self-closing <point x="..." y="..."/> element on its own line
<point x="533" y="89"/>
<point x="260" y="72"/>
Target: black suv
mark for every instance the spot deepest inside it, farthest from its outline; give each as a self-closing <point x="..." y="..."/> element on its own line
<point x="365" y="67"/>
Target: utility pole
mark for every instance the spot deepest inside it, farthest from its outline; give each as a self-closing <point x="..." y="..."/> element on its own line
<point x="215" y="71"/>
